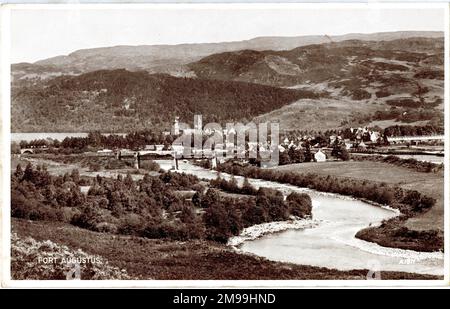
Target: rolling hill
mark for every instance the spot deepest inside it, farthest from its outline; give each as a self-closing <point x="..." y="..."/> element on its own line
<point x="365" y="81"/>
<point x="172" y="59"/>
<point x="357" y="79"/>
<point x="330" y="62"/>
<point x="122" y="101"/>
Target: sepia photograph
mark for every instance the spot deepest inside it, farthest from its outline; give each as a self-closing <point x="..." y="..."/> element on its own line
<point x="234" y="143"/>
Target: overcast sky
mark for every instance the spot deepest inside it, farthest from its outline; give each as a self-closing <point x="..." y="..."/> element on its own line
<point x="44" y="33"/>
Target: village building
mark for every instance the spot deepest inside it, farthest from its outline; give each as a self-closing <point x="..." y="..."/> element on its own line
<point x="176" y="126"/>
<point x="105" y="151"/>
<point x="177" y="149"/>
<point x="362" y="145"/>
<point x="374" y="136"/>
<point x="319" y="156"/>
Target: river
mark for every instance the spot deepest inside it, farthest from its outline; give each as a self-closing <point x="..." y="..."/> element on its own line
<point x="332" y="243"/>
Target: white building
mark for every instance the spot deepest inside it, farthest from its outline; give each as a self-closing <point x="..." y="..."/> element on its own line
<point x="319" y="156"/>
<point x="281" y="148"/>
<point x="374" y="136"/>
<point x="105" y="151"/>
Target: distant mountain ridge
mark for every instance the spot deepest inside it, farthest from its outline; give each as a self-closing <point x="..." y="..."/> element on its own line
<point x="327" y="62"/>
<point x="171" y="58"/>
<point x="396" y="77"/>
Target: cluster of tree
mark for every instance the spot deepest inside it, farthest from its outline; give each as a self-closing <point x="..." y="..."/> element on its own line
<point x="116" y="100"/>
<point x="148" y="207"/>
<point x="408" y="201"/>
<point x="232" y="186"/>
<point x="300" y="155"/>
<point x="293" y="155"/>
<point x="36" y="195"/>
<point x="96" y="140"/>
<point x="340" y="151"/>
<point x="109" y="205"/>
<point x="410" y="103"/>
<point x="322" y="138"/>
<point x="225" y="217"/>
<point x="430" y="74"/>
<point x="394" y="233"/>
<point x="420" y="166"/>
<point x="406" y="115"/>
<point x="406" y="130"/>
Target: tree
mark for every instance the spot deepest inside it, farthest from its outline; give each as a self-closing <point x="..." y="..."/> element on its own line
<point x="299" y="204"/>
<point x="308" y="155"/>
<point x="76" y="198"/>
<point x="222" y="221"/>
<point x="215" y="220"/>
<point x="94" y="139"/>
<point x="75" y="175"/>
<point x="187" y="215"/>
<point x="211" y="196"/>
<point x="232" y="184"/>
<point x="88" y="218"/>
<point x="197" y="199"/>
<point x="15" y="148"/>
<point x="296" y="155"/>
<point x="274" y="203"/>
<point x="129" y="183"/>
<point x="284" y="158"/>
<point x="247" y="188"/>
<point x="19" y="172"/>
<point x="339" y="151"/>
<point x="28" y="175"/>
<point x="115" y="204"/>
<point x="344" y="155"/>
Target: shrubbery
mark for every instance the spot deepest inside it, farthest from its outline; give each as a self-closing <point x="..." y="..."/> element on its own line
<point x="393" y="233"/>
<point x="225" y="217"/>
<point x="25" y="265"/>
<point x="420" y="166"/>
<point x="363" y="189"/>
<point x="299" y="204"/>
<point x="149" y="207"/>
<point x="149" y="165"/>
<point x="111" y="205"/>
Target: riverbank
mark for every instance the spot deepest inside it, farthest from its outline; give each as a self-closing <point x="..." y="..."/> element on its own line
<point x="333" y="214"/>
<point x="410" y="201"/>
<point x="393" y="233"/>
<point x="423" y="231"/>
<point x="260" y="230"/>
<point x="430" y="184"/>
<point x="159" y="259"/>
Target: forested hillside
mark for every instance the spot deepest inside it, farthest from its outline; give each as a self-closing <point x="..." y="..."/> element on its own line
<point x="121" y="101"/>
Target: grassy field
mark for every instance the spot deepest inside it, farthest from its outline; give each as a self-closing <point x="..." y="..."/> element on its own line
<point x="166" y="260"/>
<point x="431" y="184"/>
